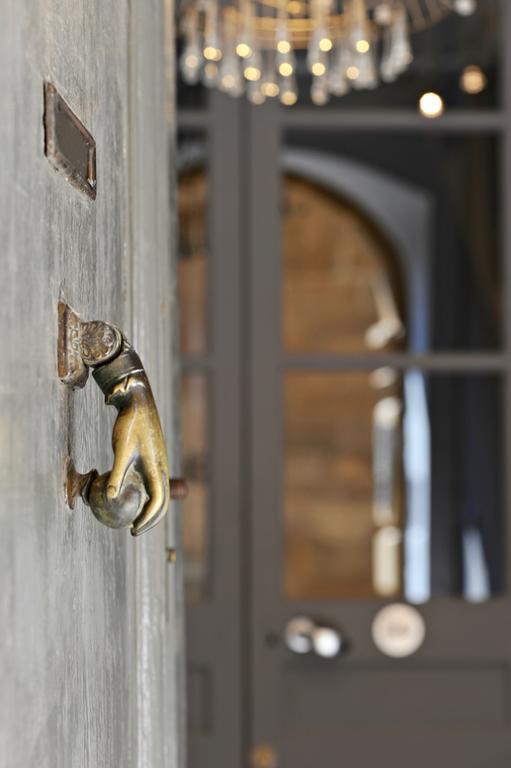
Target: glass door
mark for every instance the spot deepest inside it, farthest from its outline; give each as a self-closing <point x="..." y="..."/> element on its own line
<point x="381" y="625"/>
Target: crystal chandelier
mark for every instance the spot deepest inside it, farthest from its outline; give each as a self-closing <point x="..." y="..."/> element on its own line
<point x="251" y="47"/>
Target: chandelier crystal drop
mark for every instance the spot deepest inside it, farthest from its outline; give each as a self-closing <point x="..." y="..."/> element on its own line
<point x="252" y="47"/>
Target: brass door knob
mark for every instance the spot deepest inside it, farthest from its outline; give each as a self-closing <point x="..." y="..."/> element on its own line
<point x="137" y="490"/>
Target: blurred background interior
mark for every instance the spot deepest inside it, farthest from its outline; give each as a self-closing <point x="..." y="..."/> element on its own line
<point x="345" y="344"/>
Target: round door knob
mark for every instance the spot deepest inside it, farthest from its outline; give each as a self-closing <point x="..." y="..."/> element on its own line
<point x="298" y="634"/>
<point x="326" y="642"/>
<point x="304" y="635"/>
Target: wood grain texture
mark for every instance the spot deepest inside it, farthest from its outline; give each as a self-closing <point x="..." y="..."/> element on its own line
<point x="82" y="608"/>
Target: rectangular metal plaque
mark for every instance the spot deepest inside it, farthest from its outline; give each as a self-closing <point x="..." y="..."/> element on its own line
<point x="69" y="146"/>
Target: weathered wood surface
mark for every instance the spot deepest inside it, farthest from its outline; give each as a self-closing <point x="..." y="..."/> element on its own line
<point x="161" y="664"/>
<point x="83" y="611"/>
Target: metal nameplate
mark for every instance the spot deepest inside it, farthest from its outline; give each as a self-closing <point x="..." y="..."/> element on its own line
<point x="69" y="146"/>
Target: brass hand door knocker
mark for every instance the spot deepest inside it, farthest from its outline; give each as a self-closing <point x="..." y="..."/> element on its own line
<point x="137" y="490"/>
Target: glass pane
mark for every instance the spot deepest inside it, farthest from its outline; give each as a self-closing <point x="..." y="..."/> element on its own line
<point x="392" y="485"/>
<point x="194" y="418"/>
<point x="391" y="242"/>
<point x="342" y="282"/>
<point x="193" y="248"/>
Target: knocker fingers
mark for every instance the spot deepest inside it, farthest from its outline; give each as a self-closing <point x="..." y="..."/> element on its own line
<point x="157" y="488"/>
<point x="122" y="462"/>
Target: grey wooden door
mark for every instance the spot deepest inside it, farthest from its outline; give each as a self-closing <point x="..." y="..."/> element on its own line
<point x="89" y="617"/>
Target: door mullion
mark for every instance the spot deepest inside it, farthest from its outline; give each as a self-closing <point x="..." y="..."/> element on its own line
<point x="506" y="258"/>
<point x="433" y="361"/>
<point x="266" y="431"/>
<point x="214" y="627"/>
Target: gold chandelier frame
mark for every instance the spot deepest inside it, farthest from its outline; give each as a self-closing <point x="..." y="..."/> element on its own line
<point x="300" y="23"/>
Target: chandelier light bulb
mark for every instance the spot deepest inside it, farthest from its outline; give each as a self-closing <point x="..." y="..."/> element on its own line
<point x="230" y="76"/>
<point x="362" y="46"/>
<point x="318" y="68"/>
<point x="336" y="77"/>
<point x="283" y="46"/>
<point x="288" y="91"/>
<point x="243" y="50"/>
<point x="383" y="14"/>
<point x="190" y="64"/>
<point x="397" y="51"/>
<point x="431" y="105"/>
<point x="270" y="89"/>
<point x="255" y="94"/>
<point x="319" y="97"/>
<point x="210" y="74"/>
<point x="227" y="81"/>
<point x="252" y="73"/>
<point x="285" y="68"/>
<point x="288" y="97"/>
<point x="367" y="77"/>
<point x="269" y="85"/>
<point x="231" y="80"/>
<point x="211" y="53"/>
<point x="325" y="44"/>
<point x="358" y="25"/>
<point x="352" y="72"/>
<point x="211" y="50"/>
<point x="191" y="60"/>
<point x="319" y="91"/>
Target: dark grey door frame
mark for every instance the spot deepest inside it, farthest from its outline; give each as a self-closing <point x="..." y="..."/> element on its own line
<point x="214" y="624"/>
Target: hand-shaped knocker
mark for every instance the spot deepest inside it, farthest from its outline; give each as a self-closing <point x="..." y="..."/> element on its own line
<point x="137" y="490"/>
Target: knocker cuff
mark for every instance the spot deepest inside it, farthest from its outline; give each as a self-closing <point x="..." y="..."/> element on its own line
<point x="125" y="364"/>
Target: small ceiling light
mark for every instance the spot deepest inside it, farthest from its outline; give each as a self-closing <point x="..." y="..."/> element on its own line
<point x="473" y="80"/>
<point x="431" y="105"/>
<point x="465" y="7"/>
<point x="283" y="46"/>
